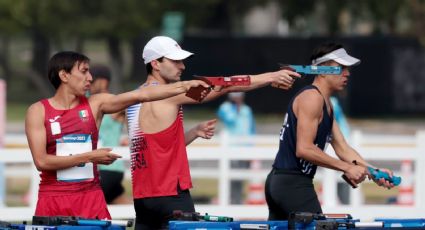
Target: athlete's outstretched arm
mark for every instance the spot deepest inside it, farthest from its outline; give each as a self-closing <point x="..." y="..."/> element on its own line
<point x="282" y="78"/>
<point x="110" y="103"/>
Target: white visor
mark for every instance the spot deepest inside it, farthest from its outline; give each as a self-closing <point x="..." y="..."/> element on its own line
<point x="340" y="56"/>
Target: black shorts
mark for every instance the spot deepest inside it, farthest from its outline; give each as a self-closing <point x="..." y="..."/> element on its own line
<point x="111" y="182"/>
<point x="290" y="191"/>
<point x="155" y="212"/>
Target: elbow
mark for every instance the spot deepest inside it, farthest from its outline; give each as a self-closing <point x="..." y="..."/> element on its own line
<point x="301" y="152"/>
<point x="41" y="165"/>
<point x="143" y="97"/>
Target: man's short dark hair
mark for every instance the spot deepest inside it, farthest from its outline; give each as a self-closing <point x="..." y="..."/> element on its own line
<point x="100" y="72"/>
<point x="64" y="60"/>
<point x="324" y="49"/>
<point x="149" y="66"/>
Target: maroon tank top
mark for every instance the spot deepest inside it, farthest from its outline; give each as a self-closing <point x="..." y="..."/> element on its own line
<point x="59" y="125"/>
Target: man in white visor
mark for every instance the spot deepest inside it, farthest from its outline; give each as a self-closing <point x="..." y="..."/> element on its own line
<point x="308" y="127"/>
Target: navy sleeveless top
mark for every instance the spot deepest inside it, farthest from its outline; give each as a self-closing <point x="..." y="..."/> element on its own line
<point x="286" y="156"/>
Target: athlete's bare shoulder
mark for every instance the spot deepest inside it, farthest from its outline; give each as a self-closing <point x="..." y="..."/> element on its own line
<point x="98" y="98"/>
<point x="35" y="114"/>
<point x="309" y="100"/>
<point x="35" y="108"/>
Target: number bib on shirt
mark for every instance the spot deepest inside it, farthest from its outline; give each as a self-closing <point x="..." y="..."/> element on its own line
<point x="74" y="144"/>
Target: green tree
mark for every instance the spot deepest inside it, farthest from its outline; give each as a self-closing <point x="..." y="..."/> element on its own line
<point x="44" y="21"/>
<point x="8" y="28"/>
<point x="417" y="9"/>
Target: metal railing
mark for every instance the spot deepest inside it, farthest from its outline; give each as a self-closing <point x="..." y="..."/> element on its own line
<point x="378" y="149"/>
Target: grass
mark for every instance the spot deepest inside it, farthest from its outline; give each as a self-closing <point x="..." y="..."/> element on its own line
<point x="15" y="112"/>
<point x="16" y="190"/>
<point x="205" y="191"/>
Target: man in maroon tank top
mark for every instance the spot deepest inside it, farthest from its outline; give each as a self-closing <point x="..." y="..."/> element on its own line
<point x="160" y="169"/>
<point x="62" y="133"/>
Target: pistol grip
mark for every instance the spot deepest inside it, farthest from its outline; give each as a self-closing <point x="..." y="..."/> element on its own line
<point x="196" y="93"/>
<point x="349" y="181"/>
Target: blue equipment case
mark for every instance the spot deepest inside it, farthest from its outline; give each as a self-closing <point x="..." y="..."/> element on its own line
<point x="191" y="225"/>
<point x="64" y="227"/>
<point x="403" y="223"/>
<point x="236" y="225"/>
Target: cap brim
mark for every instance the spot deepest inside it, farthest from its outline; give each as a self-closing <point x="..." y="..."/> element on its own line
<point x="347" y="60"/>
<point x="179" y="55"/>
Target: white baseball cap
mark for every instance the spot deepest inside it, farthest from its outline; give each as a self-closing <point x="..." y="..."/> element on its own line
<point x="340" y="55"/>
<point x="162" y="46"/>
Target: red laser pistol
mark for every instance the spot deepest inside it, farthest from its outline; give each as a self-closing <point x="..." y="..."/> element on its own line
<point x="376" y="174"/>
<point x="196" y="92"/>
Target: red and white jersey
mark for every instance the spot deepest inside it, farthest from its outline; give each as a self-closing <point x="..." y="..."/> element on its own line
<point x="159" y="160"/>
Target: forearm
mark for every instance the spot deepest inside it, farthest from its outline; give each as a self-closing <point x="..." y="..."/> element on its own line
<point x="257" y="81"/>
<point x="190" y="136"/>
<point x="159" y="92"/>
<point x="115" y="103"/>
<point x="52" y="162"/>
<point x="350" y="154"/>
<point x="316" y="156"/>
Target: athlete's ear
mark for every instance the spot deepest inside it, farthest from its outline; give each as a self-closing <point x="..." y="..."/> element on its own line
<point x="155" y="64"/>
<point x="63" y="75"/>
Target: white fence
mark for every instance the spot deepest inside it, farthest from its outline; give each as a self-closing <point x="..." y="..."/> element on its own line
<point x="379" y="149"/>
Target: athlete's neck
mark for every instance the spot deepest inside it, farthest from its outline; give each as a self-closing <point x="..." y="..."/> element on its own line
<point x="325" y="91"/>
<point x="326" y="94"/>
<point x="64" y="102"/>
<point x="156" y="78"/>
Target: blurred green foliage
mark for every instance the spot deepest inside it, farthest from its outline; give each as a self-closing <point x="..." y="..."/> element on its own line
<point x="32" y="30"/>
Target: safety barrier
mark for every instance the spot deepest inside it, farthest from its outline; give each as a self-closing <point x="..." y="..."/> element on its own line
<point x="381" y="150"/>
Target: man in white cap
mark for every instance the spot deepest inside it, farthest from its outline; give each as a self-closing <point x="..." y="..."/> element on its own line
<point x="160" y="169"/>
<point x="307" y="129"/>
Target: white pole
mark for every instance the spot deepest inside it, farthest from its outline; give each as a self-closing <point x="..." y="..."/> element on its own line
<point x="356" y="196"/>
<point x="2" y="132"/>
<point x="224" y="168"/>
<point x="419" y="168"/>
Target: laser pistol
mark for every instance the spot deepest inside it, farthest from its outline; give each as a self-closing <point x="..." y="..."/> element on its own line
<point x="310" y="70"/>
<point x="195" y="92"/>
<point x="376" y="174"/>
<point x="313" y="69"/>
